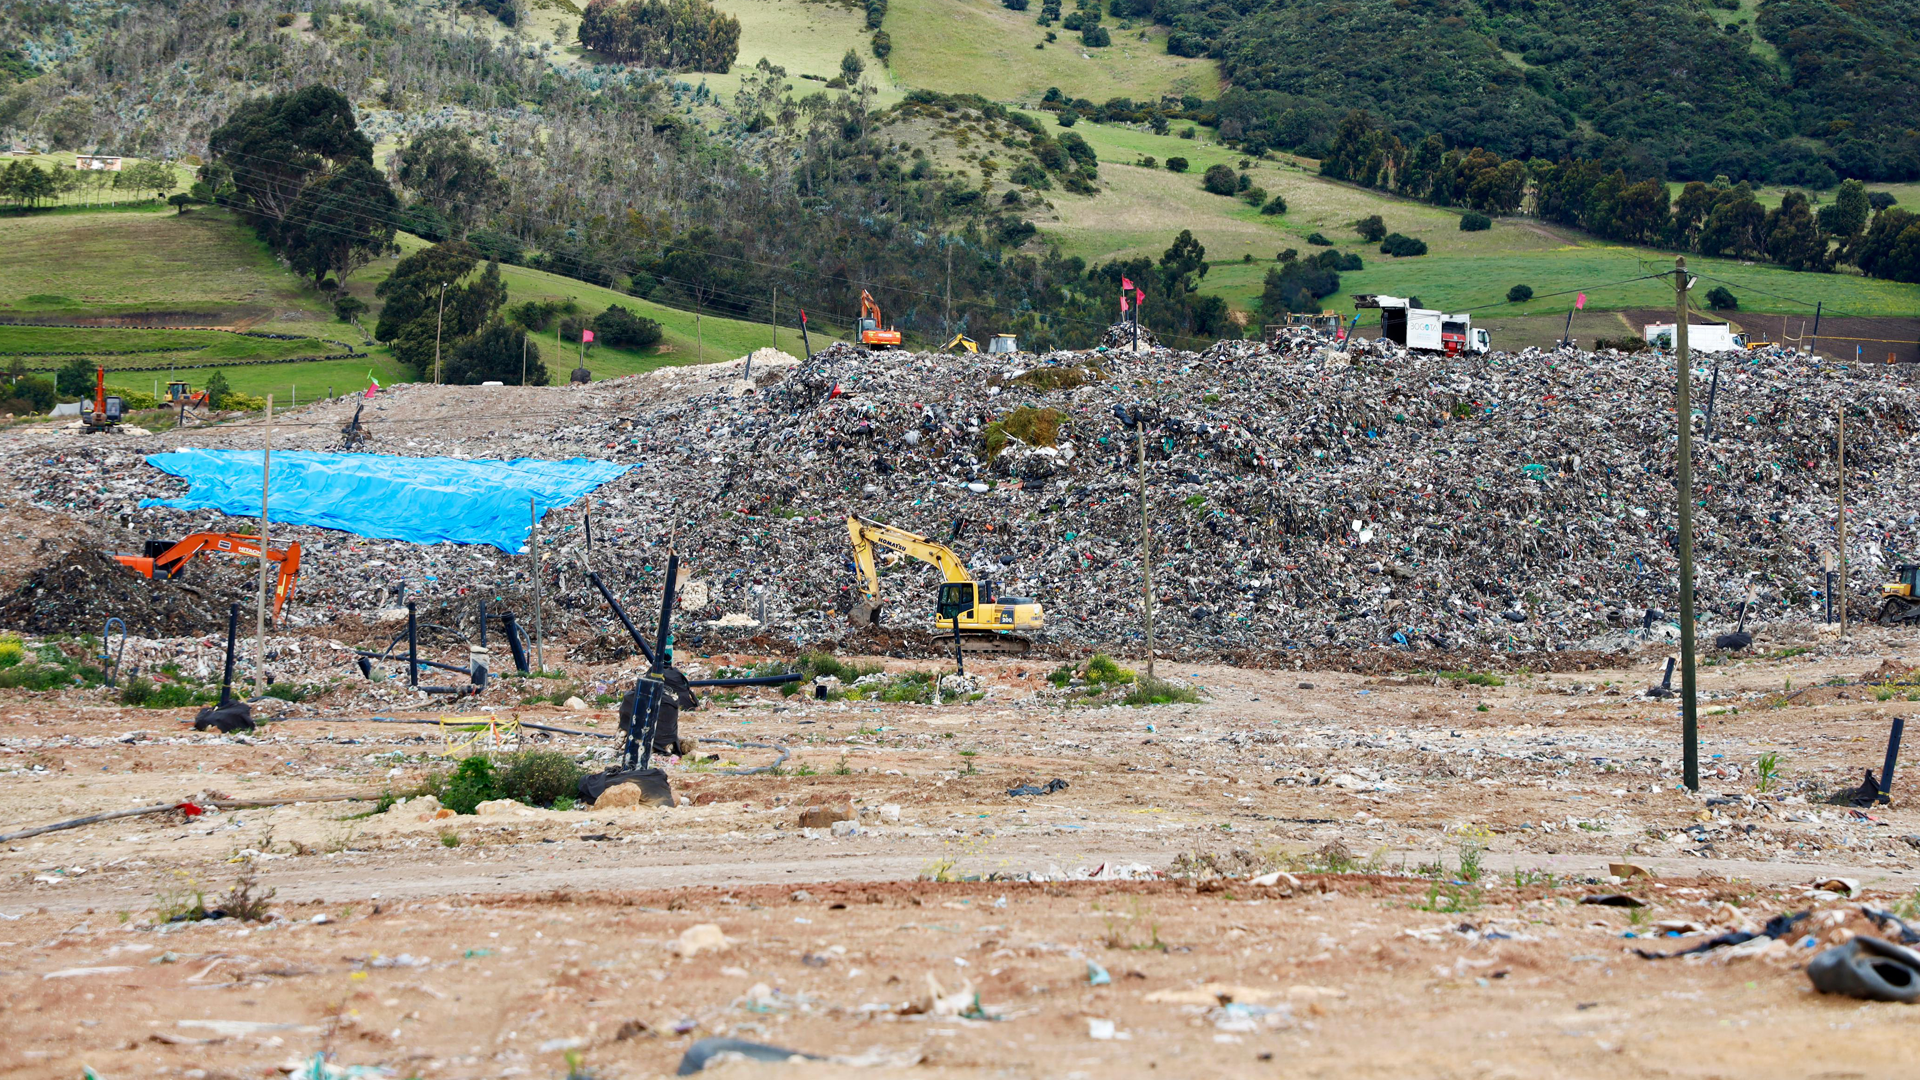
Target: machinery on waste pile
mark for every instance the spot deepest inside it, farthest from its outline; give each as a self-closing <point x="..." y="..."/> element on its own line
<point x="984" y="622"/>
<point x="1900" y="598"/>
<point x="961" y="341"/>
<point x="178" y="393"/>
<point x="168" y="559"/>
<point x="106" y="410"/>
<point x="872" y="334"/>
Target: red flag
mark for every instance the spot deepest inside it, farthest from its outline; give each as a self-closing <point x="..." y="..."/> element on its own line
<point x="1123" y="301"/>
<point x="1580" y="302"/>
<point x="1139" y="295"/>
<point x="803" y="316"/>
<point x="1125" y="284"/>
<point x="586" y="337"/>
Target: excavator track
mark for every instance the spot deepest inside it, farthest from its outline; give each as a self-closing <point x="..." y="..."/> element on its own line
<point x="1895" y="610"/>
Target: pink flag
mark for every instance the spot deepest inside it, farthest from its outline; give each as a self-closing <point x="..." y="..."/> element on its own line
<point x="373" y="385"/>
<point x="586" y="337"/>
<point x="1125" y="284"/>
<point x="1580" y="302"/>
<point x="1139" y="295"/>
<point x="1123" y="303"/>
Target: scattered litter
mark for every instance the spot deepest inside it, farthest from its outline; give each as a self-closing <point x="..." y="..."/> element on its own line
<point x="705" y="1052"/>
<point x="702" y="937"/>
<point x="1614" y="900"/>
<point x="1097" y="975"/>
<point x="1049" y="788"/>
<point x="1867" y="967"/>
<point x="1777" y="927"/>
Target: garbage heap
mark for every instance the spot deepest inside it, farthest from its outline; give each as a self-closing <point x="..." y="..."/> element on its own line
<point x="1300" y="494"/>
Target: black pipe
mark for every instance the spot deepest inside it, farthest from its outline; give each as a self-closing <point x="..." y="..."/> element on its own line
<point x="226" y="678"/>
<point x="516" y="642"/>
<point x="413" y="649"/>
<point x="1713" y="390"/>
<point x="483" y="624"/>
<point x="1893" y="758"/>
<point x="665" y="636"/>
<point x="621" y="614"/>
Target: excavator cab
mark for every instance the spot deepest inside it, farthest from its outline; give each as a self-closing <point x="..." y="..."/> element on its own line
<point x="872" y="334"/>
<point x="956" y="600"/>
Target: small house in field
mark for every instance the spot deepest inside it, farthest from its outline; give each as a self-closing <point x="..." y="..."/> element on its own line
<point x="96" y="163"/>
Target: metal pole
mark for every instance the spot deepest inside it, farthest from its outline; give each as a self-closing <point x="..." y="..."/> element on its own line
<point x="226" y="678"/>
<point x="539" y="609"/>
<point x="260" y="613"/>
<point x="1683" y="468"/>
<point x="1893" y="758"/>
<point x="1713" y="393"/>
<point x="699" y="336"/>
<point x="439" y="318"/>
<point x="1842" y="411"/>
<point x="1146" y="547"/>
<point x="1814" y="346"/>
<point x="523" y="359"/>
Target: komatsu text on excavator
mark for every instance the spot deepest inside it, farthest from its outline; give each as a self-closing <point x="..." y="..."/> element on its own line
<point x="985" y="623"/>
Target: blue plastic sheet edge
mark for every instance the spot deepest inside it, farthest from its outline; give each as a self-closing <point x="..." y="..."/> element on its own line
<point x="422" y="500"/>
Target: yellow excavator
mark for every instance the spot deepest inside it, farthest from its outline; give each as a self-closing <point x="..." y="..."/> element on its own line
<point x="961" y="341"/>
<point x="986" y="623"/>
<point x="1900" y="598"/>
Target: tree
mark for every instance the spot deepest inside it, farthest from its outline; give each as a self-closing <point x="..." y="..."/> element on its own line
<point x="1220" y="180"/>
<point x="1371" y="229"/>
<point x="851" y="67"/>
<point x="443" y="171"/>
<point x="1185" y="256"/>
<point x="340" y="222"/>
<point x="1519" y="294"/>
<point x="413" y="317"/>
<point x="1176" y="164"/>
<point x="1793" y="238"/>
<point x="217" y="390"/>
<point x="270" y="148"/>
<point x="681" y="35"/>
<point x="180" y="201"/>
<point x="413" y="288"/>
<point x="1719" y="298"/>
<point x="494" y="355"/>
<point x="1401" y="247"/>
<point x="1274" y="206"/>
<point x="1475" y="222"/>
<point x="140" y="177"/>
<point x="1095" y="37"/>
<point x="1891" y="248"/>
<point x="75" y="379"/>
<point x="1846" y="215"/>
<point x="622" y="329"/>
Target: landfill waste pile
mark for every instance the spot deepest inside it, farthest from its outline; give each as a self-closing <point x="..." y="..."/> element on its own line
<point x="81" y="589"/>
<point x="1302" y="495"/>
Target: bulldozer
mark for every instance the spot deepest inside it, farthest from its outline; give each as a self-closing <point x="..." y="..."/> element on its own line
<point x="168" y="559"/>
<point x="872" y="334"/>
<point x="1900" y="598"/>
<point x="178" y="393"/>
<point x="984" y="622"/>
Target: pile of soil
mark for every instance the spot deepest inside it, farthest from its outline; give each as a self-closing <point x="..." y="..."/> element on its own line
<point x="77" y="592"/>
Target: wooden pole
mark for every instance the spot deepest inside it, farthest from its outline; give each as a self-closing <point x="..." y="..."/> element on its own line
<point x="260" y="608"/>
<point x="1683" y="469"/>
<point x="1146" y="544"/>
<point x="539" y="609"/>
<point x="1842" y="411"/>
<point x="439" y="318"/>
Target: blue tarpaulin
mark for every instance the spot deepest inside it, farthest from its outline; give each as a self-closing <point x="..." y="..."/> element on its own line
<point x="422" y="500"/>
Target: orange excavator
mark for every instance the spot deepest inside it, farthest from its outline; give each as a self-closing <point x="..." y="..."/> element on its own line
<point x="168" y="559"/>
<point x="872" y="334"/>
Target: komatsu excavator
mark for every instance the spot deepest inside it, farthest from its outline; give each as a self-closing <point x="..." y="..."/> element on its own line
<point x="986" y="623"/>
<point x="167" y="559"/>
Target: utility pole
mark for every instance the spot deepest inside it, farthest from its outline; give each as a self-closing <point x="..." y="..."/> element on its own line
<point x="539" y="609"/>
<point x="439" y="319"/>
<point x="1683" y="470"/>
<point x="773" y="319"/>
<point x="949" y="315"/>
<point x="1146" y="544"/>
<point x="260" y="612"/>
<point x="1841" y="410"/>
<point x="523" y="359"/>
<point x="699" y="336"/>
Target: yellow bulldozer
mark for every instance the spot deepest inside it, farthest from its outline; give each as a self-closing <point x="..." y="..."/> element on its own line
<point x="985" y="622"/>
<point x="1900" y="598"/>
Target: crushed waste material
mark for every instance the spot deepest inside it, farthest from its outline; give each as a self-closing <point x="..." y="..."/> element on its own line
<point x="1305" y="497"/>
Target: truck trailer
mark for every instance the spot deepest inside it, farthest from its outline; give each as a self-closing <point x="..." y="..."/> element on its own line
<point x="1701" y="337"/>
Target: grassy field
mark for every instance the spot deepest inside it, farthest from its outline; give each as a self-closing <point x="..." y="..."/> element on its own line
<point x="1141" y="209"/>
<point x="982" y="47"/>
<point x="43" y="346"/>
<point x="97" y="190"/>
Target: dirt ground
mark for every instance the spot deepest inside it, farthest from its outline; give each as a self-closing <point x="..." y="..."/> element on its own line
<point x="1433" y="842"/>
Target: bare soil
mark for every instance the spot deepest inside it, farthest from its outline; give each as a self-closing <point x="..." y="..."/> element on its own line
<point x="1435" y="839"/>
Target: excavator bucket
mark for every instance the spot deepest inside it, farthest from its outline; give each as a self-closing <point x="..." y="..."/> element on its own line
<point x="865" y="613"/>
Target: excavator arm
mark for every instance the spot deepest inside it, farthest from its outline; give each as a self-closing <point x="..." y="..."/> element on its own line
<point x="866" y="535"/>
<point x="171" y="561"/>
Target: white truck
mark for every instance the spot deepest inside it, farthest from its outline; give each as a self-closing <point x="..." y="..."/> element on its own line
<point x="1423" y="328"/>
<point x="1701" y="337"/>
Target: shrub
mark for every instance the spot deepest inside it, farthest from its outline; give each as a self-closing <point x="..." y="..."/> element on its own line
<point x="1096" y="37"/>
<point x="539" y="777"/>
<point x="471" y="783"/>
<point x="347" y="305"/>
<point x="1318" y="239"/>
<point x="1069" y="117"/>
<point x="882" y="45"/>
<point x="217" y="390"/>
<point x="1371" y="229"/>
<point x="37" y="391"/>
<point x="1220" y="180"/>
<point x="1471" y="222"/>
<point x="1015" y="5"/>
<point x="1176" y="164"/>
<point x="1401" y="247"/>
<point x="1103" y="669"/>
<point x="622" y="329"/>
<point x="1274" y="206"/>
<point x="75" y="378"/>
<point x="1519" y="293"/>
<point x="1256" y="197"/>
<point x="1721" y="299"/>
